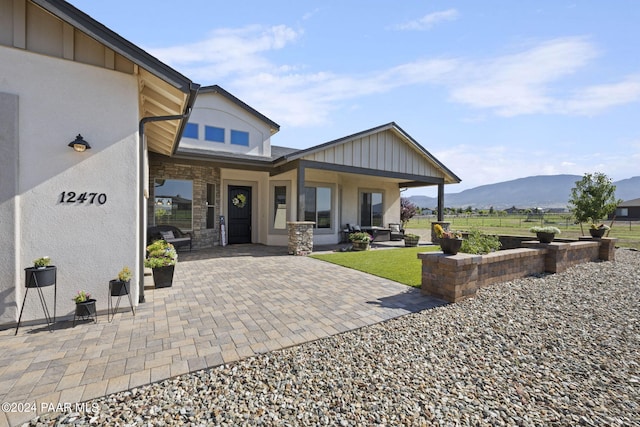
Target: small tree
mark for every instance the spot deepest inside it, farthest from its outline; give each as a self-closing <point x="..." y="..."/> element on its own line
<point x="407" y="211"/>
<point x="593" y="198"/>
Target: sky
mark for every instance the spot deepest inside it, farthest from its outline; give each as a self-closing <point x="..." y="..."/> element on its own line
<point x="495" y="90"/>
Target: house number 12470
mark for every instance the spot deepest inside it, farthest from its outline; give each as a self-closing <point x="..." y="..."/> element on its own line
<point x="89" y="198"/>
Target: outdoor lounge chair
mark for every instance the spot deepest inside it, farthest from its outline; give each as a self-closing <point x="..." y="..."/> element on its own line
<point x="169" y="234"/>
<point x="397" y="232"/>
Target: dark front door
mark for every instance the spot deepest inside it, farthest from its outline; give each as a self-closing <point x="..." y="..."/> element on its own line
<point x="239" y="214"/>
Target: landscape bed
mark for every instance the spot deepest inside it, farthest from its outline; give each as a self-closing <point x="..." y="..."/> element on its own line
<point x="457" y="277"/>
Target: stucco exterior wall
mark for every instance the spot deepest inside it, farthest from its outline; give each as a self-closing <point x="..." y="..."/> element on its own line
<point x="88" y="242"/>
<point x="214" y="110"/>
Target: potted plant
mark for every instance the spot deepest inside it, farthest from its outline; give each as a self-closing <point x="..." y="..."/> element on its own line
<point x="120" y="286"/>
<point x="41" y="274"/>
<point x="161" y="259"/>
<point x="360" y="241"/>
<point x="411" y="240"/>
<point x="85" y="305"/>
<point x="597" y="231"/>
<point x="545" y="234"/>
<point x="449" y="241"/>
<point x="42" y="262"/>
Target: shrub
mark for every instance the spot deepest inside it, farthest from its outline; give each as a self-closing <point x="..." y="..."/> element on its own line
<point x="480" y="243"/>
<point x="547" y="229"/>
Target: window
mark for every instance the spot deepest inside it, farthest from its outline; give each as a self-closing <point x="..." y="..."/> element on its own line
<point x="371" y="209"/>
<point x="191" y="131"/>
<point x="622" y="212"/>
<point x="213" y="134"/>
<point x="239" y="138"/>
<point x="173" y="202"/>
<point x="317" y="206"/>
<point x="280" y="207"/>
<point x="211" y="205"/>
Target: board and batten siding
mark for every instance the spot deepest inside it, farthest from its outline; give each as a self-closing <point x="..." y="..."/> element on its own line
<point x="382" y="151"/>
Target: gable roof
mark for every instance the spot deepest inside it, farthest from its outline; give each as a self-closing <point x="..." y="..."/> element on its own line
<point x="397" y="156"/>
<point x="387" y="147"/>
<point x="219" y="90"/>
<point x="630" y="203"/>
<point x="163" y="90"/>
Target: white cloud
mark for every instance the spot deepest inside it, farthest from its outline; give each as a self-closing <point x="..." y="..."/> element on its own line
<point x="525" y="82"/>
<point x="594" y="99"/>
<point x="428" y="21"/>
<point x="521" y="83"/>
<point x="228" y="51"/>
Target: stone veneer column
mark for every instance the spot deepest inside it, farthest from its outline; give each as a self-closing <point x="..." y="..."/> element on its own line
<point x="300" y="237"/>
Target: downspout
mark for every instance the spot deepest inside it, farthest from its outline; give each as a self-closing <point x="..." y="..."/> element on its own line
<point x="142" y="200"/>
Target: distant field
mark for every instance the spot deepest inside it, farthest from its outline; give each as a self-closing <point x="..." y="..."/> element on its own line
<point x="627" y="232"/>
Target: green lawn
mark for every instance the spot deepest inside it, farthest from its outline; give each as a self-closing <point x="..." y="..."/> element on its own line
<point x="399" y="264"/>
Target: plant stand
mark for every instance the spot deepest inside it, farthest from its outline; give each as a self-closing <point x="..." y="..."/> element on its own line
<point x="86" y="311"/>
<point x="40" y="278"/>
<point x="118" y="288"/>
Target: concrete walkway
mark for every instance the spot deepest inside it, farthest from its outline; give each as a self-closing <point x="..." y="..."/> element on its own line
<point x="226" y="304"/>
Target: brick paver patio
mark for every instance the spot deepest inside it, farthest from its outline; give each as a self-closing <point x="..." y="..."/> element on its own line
<point x="226" y="304"/>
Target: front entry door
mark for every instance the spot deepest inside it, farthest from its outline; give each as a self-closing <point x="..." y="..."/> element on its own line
<point x="239" y="214"/>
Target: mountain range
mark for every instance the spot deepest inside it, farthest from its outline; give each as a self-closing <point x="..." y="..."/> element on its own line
<point x="542" y="191"/>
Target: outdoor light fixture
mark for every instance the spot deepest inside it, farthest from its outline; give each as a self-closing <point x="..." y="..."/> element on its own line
<point x="79" y="144"/>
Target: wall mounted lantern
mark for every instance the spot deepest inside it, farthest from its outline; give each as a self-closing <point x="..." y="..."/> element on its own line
<point x="79" y="144"/>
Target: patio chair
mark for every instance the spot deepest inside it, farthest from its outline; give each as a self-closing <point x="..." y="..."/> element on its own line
<point x="397" y="232"/>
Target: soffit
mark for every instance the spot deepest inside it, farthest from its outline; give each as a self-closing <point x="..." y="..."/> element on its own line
<point x="157" y="98"/>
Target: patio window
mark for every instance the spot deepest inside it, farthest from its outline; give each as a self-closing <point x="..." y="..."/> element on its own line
<point x="173" y="203"/>
<point x="318" y="206"/>
<point x="371" y="209"/>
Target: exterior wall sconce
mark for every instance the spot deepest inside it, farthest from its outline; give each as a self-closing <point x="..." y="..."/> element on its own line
<point x="79" y="144"/>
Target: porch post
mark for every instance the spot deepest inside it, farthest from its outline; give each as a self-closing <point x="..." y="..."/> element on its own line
<point x="301" y="200"/>
<point x="440" y="202"/>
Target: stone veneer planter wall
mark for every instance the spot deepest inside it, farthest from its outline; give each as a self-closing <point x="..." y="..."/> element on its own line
<point x="457" y="277"/>
<point x="300" y="237"/>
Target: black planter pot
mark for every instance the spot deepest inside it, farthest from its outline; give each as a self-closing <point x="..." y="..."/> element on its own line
<point x="545" y="237"/>
<point x="597" y="232"/>
<point x="118" y="288"/>
<point x="39" y="277"/>
<point x="86" y="308"/>
<point x="163" y="276"/>
<point x="450" y="246"/>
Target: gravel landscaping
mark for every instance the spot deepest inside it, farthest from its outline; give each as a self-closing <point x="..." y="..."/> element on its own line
<point x="553" y="350"/>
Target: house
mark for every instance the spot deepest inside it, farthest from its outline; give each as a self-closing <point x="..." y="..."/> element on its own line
<point x="161" y="150"/>
<point x="226" y="151"/>
<point x="628" y="210"/>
